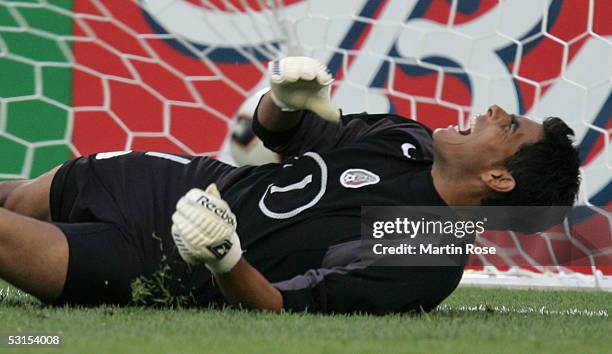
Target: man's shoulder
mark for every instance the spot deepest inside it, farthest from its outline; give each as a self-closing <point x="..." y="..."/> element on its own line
<point x="394" y="129"/>
<point x="388" y="122"/>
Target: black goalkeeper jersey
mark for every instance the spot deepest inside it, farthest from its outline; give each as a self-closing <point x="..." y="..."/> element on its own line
<point x="298" y="220"/>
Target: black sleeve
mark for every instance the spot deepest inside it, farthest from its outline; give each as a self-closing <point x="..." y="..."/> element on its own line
<point x="374" y="290"/>
<point x="313" y="133"/>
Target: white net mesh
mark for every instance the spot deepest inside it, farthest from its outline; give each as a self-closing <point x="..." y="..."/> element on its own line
<point x="85" y="76"/>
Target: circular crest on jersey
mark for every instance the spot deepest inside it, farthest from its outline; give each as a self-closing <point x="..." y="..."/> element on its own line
<point x="288" y="200"/>
<point x="357" y="178"/>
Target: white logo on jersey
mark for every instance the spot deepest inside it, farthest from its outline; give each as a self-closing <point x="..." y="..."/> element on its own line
<point x="299" y="185"/>
<point x="357" y="178"/>
<point x="406" y="150"/>
<point x="272" y="189"/>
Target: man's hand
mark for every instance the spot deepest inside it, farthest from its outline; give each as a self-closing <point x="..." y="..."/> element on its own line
<point x="299" y="83"/>
<point x="204" y="230"/>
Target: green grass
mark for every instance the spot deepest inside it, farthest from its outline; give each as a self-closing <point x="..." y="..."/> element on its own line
<point x="472" y="320"/>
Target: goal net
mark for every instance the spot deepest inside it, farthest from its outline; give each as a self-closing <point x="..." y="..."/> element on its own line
<point x="84" y="76"/>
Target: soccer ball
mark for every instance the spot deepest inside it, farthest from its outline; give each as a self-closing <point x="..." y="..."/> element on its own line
<point x="245" y="147"/>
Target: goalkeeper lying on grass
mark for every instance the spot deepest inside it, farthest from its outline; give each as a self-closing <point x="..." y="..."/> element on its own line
<point x="278" y="236"/>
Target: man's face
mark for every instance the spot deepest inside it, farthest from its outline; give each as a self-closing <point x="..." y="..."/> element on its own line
<point x="490" y="139"/>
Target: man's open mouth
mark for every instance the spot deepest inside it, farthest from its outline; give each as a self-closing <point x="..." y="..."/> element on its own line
<point x="471" y="125"/>
<point x="465" y="131"/>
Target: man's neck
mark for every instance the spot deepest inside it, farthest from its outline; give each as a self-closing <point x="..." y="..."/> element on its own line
<point x="455" y="190"/>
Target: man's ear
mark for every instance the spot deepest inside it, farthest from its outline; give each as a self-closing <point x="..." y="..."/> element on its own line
<point x="498" y="179"/>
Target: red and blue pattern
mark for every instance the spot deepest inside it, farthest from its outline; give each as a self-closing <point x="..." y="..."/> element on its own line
<point x="157" y="68"/>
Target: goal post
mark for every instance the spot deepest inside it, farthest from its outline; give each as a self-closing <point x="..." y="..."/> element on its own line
<point x="82" y="76"/>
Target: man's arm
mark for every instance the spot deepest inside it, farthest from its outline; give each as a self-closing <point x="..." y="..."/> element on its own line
<point x="296" y="115"/>
<point x="372" y="289"/>
<point x="203" y="230"/>
<point x="297" y="84"/>
<point x="271" y="117"/>
<point x="243" y="286"/>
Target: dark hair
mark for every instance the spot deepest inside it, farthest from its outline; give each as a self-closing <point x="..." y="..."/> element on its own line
<point x="546" y="172"/>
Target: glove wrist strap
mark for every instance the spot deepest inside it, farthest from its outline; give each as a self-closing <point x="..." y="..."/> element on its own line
<point x="229" y="260"/>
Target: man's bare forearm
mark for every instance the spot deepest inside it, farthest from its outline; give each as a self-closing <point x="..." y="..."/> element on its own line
<point x="273" y="118"/>
<point x="244" y="286"/>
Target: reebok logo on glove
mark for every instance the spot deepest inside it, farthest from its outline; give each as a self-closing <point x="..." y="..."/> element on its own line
<point x="204" y="230"/>
<point x="222" y="212"/>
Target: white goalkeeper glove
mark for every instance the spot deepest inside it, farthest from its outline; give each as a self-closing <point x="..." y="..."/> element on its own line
<point x="300" y="83"/>
<point x="204" y="230"/>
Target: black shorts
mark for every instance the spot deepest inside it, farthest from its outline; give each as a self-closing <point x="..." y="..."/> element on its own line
<point x="102" y="265"/>
<point x="116" y="215"/>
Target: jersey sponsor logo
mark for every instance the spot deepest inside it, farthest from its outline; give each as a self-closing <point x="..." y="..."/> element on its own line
<point x="406" y="147"/>
<point x="357" y="178"/>
<point x="290" y="199"/>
